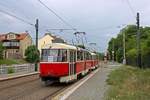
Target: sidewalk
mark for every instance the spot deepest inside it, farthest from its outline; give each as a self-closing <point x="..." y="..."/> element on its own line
<point x="15" y="75"/>
<point x="19" y="70"/>
<point x="93" y="88"/>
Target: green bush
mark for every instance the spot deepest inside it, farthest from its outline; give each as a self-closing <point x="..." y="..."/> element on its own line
<point x="1" y="50"/>
<point x="12" y="61"/>
<point x="131" y="56"/>
<point x="32" y="54"/>
<point x="10" y="70"/>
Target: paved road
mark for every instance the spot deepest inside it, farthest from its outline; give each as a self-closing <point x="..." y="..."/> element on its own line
<point x="28" y="88"/>
<point x="95" y="87"/>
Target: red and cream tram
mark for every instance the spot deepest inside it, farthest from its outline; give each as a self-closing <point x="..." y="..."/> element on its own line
<point x="64" y="63"/>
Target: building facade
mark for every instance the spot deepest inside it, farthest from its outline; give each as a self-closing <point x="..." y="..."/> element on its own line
<point x="15" y="44"/>
<point x="48" y="39"/>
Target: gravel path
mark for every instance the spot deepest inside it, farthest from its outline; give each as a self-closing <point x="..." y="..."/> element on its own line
<point x="96" y="86"/>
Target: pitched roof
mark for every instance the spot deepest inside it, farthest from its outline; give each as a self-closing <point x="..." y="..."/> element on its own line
<point x="20" y="36"/>
<point x="53" y="36"/>
<point x="2" y="37"/>
<point x="56" y="39"/>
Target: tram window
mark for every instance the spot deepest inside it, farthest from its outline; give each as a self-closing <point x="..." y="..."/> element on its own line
<point x="88" y="56"/>
<point x="44" y="55"/>
<point x="94" y="57"/>
<point x="55" y="55"/>
<point x="84" y="55"/>
<point x="79" y="55"/>
<point x="64" y="55"/>
<point x="72" y="56"/>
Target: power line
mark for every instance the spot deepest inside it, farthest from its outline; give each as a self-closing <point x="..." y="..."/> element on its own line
<point x="60" y="29"/>
<point x="16" y="17"/>
<point x="131" y="8"/>
<point x="107" y="28"/>
<point x="56" y="15"/>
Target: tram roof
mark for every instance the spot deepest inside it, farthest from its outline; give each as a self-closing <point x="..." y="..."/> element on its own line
<point x="59" y="46"/>
<point x="92" y="53"/>
<point x="81" y="49"/>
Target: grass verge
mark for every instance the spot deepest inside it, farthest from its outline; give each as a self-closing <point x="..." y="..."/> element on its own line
<point x="129" y="83"/>
<point x="12" y="61"/>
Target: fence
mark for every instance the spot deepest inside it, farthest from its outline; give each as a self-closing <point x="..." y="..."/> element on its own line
<point x="25" y="68"/>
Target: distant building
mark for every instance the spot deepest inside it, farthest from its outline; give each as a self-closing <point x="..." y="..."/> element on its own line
<point x="48" y="39"/>
<point x="15" y="44"/>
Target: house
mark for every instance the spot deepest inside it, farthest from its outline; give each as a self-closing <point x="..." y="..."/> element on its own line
<point x="48" y="39"/>
<point x="15" y="44"/>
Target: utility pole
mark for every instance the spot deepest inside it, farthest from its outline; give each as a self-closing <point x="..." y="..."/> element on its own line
<point x="138" y="42"/>
<point x="124" y="48"/>
<point x="37" y="29"/>
<point x="113" y="52"/>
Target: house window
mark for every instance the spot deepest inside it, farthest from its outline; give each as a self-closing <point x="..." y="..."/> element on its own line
<point x="11" y="36"/>
<point x="8" y="44"/>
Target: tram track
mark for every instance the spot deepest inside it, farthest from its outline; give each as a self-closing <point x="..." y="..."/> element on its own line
<point x="29" y="88"/>
<point x="50" y="96"/>
<point x="16" y="81"/>
<point x="14" y="85"/>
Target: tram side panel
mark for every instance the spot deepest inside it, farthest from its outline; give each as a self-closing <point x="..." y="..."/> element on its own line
<point x="54" y="69"/>
<point x="80" y="66"/>
<point x="80" y="63"/>
<point x="88" y="64"/>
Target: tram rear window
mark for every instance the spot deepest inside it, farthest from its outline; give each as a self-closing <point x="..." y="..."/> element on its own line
<point x="54" y="55"/>
<point x="93" y="57"/>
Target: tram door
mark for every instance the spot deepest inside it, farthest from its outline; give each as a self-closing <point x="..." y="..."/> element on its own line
<point x="72" y="66"/>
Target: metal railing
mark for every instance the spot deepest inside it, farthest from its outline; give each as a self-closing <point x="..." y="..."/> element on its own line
<point x="9" y="69"/>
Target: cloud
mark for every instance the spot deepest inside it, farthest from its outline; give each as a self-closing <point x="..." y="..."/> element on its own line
<point x="90" y="16"/>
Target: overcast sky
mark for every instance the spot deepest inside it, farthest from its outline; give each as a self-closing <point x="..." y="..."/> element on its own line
<point x="98" y="18"/>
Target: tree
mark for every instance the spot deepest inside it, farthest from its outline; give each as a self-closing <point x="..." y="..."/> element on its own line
<point x="100" y="55"/>
<point x="1" y="50"/>
<point x="130" y="32"/>
<point x="32" y="54"/>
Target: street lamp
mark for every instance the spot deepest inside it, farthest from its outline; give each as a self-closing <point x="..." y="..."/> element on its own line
<point x="124" y="49"/>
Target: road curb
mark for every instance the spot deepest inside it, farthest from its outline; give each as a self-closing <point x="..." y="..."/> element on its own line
<point x="18" y="76"/>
